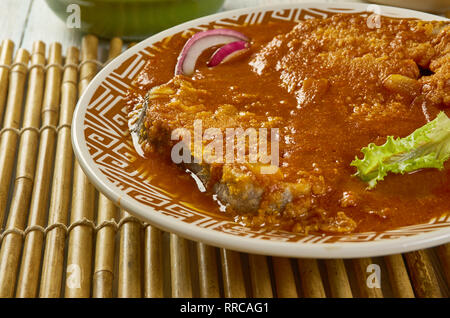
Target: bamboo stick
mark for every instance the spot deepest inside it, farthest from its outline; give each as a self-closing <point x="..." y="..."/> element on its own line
<point x="130" y="259"/>
<point x="30" y="268"/>
<point x="208" y="274"/>
<point x="443" y="252"/>
<point x="23" y="184"/>
<point x="79" y="258"/>
<point x="310" y="279"/>
<point x="115" y="48"/>
<point x="233" y="277"/>
<point x="284" y="278"/>
<point x="6" y="54"/>
<point x="53" y="260"/>
<point x="104" y="249"/>
<point x="422" y="275"/>
<point x="337" y="276"/>
<point x="129" y="283"/>
<point x="260" y="276"/>
<point x="8" y="139"/>
<point x="153" y="263"/>
<point x="180" y="268"/>
<point x="361" y="266"/>
<point x="89" y="47"/>
<point x="398" y="276"/>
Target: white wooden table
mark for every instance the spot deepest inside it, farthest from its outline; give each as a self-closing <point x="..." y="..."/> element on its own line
<point x="25" y="21"/>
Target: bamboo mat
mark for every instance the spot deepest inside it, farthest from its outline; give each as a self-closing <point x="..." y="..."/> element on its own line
<point x="61" y="238"/>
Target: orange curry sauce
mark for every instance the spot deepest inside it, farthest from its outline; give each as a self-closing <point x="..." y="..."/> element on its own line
<point x="340" y="107"/>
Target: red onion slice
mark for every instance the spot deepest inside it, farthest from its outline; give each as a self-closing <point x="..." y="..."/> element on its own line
<point x="227" y="52"/>
<point x="200" y="42"/>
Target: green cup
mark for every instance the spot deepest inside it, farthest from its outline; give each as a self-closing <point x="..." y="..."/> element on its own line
<point x="131" y="19"/>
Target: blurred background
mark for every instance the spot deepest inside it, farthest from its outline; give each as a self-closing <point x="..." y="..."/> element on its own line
<point x="65" y="21"/>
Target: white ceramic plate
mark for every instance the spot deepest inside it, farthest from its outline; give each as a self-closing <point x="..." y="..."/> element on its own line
<point x="100" y="123"/>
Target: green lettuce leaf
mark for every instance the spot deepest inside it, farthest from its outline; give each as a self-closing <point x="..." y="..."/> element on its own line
<point x="427" y="147"/>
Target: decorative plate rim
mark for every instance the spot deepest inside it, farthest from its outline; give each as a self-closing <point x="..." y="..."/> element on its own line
<point x="226" y="240"/>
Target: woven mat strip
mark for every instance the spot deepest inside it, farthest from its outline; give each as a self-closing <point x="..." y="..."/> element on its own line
<point x="83" y="222"/>
<point x="19" y="132"/>
<point x="47" y="67"/>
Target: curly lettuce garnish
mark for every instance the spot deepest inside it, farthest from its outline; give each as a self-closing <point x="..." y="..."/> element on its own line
<point x="427" y="147"/>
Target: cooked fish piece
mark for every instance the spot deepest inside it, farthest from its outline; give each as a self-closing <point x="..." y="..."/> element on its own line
<point x="242" y="187"/>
